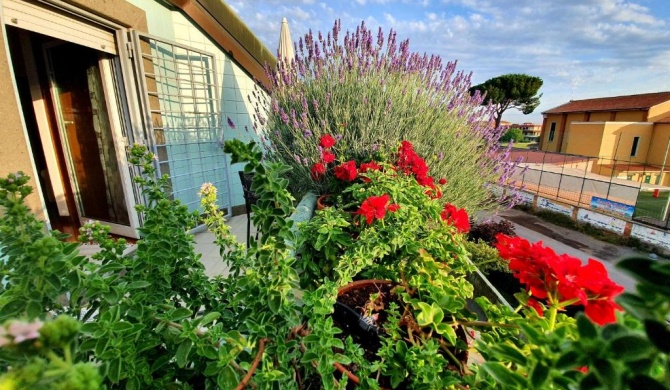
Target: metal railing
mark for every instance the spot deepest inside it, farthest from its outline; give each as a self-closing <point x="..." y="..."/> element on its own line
<point x="633" y="189"/>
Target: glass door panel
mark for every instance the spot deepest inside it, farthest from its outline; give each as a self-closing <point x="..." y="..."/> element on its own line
<point x="88" y="138"/>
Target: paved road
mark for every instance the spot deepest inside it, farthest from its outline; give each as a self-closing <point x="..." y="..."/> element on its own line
<point x="563" y="240"/>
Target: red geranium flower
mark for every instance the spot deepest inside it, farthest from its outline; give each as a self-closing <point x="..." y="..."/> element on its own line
<point x="443" y="181"/>
<point x="346" y="171"/>
<point x="327" y="157"/>
<point x="369" y="166"/>
<point x="318" y="170"/>
<point x="561" y="278"/>
<point x="327" y="141"/>
<point x="375" y="207"/>
<point x="456" y="217"/>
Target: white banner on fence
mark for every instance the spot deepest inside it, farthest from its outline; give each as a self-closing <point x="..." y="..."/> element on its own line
<point x="496" y="189"/>
<point x="525" y="197"/>
<point x="602" y="221"/>
<point x="652" y="236"/>
<point x="553" y="206"/>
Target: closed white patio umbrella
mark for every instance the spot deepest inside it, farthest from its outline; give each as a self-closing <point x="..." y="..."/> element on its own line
<point x="285" y="50"/>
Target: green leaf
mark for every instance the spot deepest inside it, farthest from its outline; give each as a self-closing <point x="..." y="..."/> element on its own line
<point x="539" y="375"/>
<point x="502" y="375"/>
<point x="631" y="347"/>
<point x="182" y="352"/>
<point x="114" y="370"/>
<point x="139" y="284"/>
<point x="447" y="331"/>
<point x="567" y="360"/>
<point x="658" y="334"/>
<point x="274" y="301"/>
<point x="607" y="374"/>
<point x="209" y="318"/>
<point x="427" y="314"/>
<point x="122" y="326"/>
<point x="12" y="309"/>
<point x="211" y="369"/>
<point x="586" y="328"/>
<point x="34" y="309"/>
<point x="227" y="378"/>
<point x="511" y="353"/>
<point x="180" y="314"/>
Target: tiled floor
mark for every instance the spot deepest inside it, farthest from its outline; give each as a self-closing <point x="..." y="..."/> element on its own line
<point x="204" y="244"/>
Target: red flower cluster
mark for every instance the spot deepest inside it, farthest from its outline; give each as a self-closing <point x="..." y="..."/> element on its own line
<point x="375" y="207"/>
<point x="346" y="171"/>
<point x="319" y="169"/>
<point x="410" y="163"/>
<point x="327" y="141"/>
<point x="456" y="217"/>
<point x="561" y="279"/>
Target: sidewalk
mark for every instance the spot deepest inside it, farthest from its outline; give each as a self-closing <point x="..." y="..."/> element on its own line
<point x="564" y="240"/>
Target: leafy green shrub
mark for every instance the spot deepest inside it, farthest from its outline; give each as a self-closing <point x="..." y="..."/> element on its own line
<point x="371" y="93"/>
<point x="485" y="257"/>
<point x="512" y="134"/>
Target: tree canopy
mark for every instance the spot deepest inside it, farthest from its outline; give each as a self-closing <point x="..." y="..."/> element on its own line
<point x="512" y="134"/>
<point x="510" y="91"/>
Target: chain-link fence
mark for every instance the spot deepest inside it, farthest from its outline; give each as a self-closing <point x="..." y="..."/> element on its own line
<point x="625" y="188"/>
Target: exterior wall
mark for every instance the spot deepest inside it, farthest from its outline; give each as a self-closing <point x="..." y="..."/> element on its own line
<point x="550" y="146"/>
<point x="16" y="154"/>
<point x="624" y="134"/>
<point x="658" y="148"/>
<point x="630" y="116"/>
<point x="235" y="85"/>
<point x="584" y="138"/>
<point x="658" y="111"/>
<point x="572" y="117"/>
<point x="599" y="116"/>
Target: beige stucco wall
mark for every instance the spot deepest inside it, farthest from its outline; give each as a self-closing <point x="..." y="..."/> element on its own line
<point x="584" y="138"/>
<point x="15" y="153"/>
<point x="550" y="146"/>
<point x="659" y="111"/>
<point x="618" y="141"/>
<point x="630" y="116"/>
<point x="661" y="140"/>
<point x="599" y="116"/>
<point x="572" y="117"/>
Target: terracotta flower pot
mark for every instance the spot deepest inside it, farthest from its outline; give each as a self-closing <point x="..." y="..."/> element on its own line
<point x="322" y="202"/>
<point x="371" y="286"/>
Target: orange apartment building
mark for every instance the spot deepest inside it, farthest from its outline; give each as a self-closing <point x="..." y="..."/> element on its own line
<point x="634" y="130"/>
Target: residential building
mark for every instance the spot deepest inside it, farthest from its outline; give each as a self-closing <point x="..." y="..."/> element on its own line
<point x="531" y="131"/>
<point x="630" y="134"/>
<point x="87" y="78"/>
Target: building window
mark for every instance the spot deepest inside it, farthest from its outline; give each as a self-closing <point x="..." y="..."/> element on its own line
<point x="552" y="131"/>
<point x="633" y="150"/>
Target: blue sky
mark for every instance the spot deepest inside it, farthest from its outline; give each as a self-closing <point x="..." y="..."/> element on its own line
<point x="580" y="48"/>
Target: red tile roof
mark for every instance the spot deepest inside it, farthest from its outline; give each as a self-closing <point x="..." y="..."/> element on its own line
<point x="616" y="103"/>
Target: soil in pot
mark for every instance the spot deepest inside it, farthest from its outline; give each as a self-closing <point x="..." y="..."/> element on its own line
<point x="353" y="301"/>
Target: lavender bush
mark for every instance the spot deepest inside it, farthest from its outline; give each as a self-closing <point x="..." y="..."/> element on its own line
<point x="371" y="93"/>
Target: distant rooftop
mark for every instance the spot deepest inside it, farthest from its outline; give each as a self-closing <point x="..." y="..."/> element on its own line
<point x="616" y="103"/>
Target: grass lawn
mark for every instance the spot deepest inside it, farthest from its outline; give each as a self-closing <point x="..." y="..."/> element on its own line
<point x="520" y="145"/>
<point x="648" y="206"/>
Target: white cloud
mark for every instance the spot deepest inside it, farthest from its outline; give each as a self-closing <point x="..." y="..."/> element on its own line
<point x="581" y="48"/>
